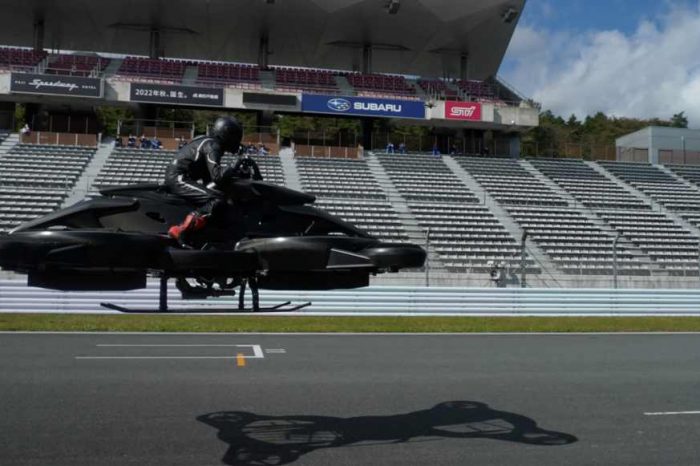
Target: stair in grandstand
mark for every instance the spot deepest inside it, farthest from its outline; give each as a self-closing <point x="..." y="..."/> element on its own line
<point x="539" y="256"/>
<point x="113" y="66"/>
<point x="468" y="238"/>
<point x="574" y="242"/>
<point x="661" y="232"/>
<point x="267" y="80"/>
<point x="420" y="92"/>
<point x="291" y="174"/>
<point x="190" y="76"/>
<point x="549" y="171"/>
<point x="571" y="199"/>
<point x="346" y="188"/>
<point x="84" y="184"/>
<point x="344" y="85"/>
<point x="416" y="233"/>
<point x="7" y="142"/>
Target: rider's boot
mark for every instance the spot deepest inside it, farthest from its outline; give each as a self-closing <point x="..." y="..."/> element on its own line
<point x="193" y="222"/>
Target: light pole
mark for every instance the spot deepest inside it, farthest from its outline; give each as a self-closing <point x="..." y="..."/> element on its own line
<point x="615" y="241"/>
<point x="523" y="261"/>
<point x="427" y="258"/>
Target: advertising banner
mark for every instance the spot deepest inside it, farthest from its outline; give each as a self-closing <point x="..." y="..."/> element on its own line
<point x="179" y="95"/>
<point x="363" y="106"/>
<point x="29" y="83"/>
<point x="469" y="111"/>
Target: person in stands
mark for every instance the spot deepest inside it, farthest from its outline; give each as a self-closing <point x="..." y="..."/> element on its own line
<point x="131" y="142"/>
<point x="155" y="143"/>
<point x="390" y="148"/>
<point x="196" y="165"/>
<point x="145" y="143"/>
<point x="402" y="149"/>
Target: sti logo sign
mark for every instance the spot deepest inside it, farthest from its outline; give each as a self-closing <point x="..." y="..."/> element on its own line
<point x="363" y="106"/>
<point x="469" y="111"/>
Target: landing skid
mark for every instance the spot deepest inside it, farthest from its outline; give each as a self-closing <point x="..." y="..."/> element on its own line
<point x="252" y="283"/>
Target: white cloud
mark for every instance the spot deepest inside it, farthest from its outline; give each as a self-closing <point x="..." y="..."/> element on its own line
<point x="653" y="72"/>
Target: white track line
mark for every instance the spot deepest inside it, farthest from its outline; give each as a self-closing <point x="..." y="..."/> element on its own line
<point x="672" y="413"/>
<point x="159" y="357"/>
<point x="169" y="346"/>
<point x="355" y="334"/>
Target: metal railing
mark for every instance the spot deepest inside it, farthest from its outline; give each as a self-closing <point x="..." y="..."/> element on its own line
<point x="15" y="296"/>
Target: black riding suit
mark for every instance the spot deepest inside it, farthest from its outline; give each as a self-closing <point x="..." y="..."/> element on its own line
<point x="195" y="166"/>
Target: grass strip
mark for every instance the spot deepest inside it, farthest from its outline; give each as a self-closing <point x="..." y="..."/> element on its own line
<point x="302" y="324"/>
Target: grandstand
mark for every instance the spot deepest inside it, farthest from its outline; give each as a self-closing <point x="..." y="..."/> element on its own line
<point x="572" y="210"/>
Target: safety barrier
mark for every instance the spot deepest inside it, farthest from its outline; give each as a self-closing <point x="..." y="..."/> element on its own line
<point x="15" y="296"/>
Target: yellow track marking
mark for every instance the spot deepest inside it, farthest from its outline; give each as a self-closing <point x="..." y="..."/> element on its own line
<point x="240" y="360"/>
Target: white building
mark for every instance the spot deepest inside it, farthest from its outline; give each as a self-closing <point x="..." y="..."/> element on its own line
<point x="660" y="145"/>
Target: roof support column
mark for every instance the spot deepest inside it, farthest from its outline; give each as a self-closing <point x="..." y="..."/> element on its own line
<point x="264" y="51"/>
<point x="154" y="50"/>
<point x="464" y="67"/>
<point x="38" y="36"/>
<point x="367" y="59"/>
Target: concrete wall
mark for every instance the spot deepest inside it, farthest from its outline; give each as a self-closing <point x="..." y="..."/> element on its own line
<point x="4" y="83"/>
<point x="517" y="116"/>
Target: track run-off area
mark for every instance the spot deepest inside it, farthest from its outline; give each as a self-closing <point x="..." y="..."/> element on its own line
<point x="319" y="399"/>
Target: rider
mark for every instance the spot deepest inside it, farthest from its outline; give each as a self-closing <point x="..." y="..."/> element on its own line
<point x="198" y="164"/>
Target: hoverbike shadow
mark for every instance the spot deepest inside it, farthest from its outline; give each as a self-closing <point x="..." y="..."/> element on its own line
<point x="255" y="439"/>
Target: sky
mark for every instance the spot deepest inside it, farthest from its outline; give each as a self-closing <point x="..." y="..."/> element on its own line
<point x="627" y="58"/>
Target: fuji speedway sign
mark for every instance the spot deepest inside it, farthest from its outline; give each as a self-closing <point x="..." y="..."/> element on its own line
<point x="29" y="83"/>
<point x="468" y="111"/>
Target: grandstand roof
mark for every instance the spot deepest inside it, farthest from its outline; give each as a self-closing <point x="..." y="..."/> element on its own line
<point x="425" y="37"/>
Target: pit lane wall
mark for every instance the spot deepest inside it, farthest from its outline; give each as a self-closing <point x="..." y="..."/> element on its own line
<point x="15" y="296"/>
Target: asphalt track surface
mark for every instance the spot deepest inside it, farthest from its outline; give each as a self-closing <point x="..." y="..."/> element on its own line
<point x="342" y="400"/>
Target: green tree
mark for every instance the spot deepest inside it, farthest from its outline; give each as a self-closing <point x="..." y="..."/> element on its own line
<point x="109" y="117"/>
<point x="679" y="120"/>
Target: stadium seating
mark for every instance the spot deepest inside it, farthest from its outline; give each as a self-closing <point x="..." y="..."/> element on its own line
<point x="586" y="185"/>
<point x="77" y="65"/>
<point x="658" y="185"/>
<point x="303" y="79"/>
<point x="375" y="216"/>
<point x="168" y="70"/>
<point x="509" y="183"/>
<point x="228" y="73"/>
<point x="371" y="84"/>
<point x="437" y="87"/>
<point x="347" y="188"/>
<point x="338" y="178"/>
<point x="573" y="241"/>
<point x="20" y="58"/>
<point x="425" y="178"/>
<point x="36" y="179"/>
<point x="477" y="90"/>
<point x="465" y="235"/>
<point x="689" y="173"/>
<point x="135" y="166"/>
<point x="670" y="246"/>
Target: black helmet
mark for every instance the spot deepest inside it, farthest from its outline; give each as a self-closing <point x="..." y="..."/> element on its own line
<point x="228" y="132"/>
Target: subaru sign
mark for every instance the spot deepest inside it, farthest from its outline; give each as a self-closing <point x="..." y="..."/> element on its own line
<point x="339" y="105"/>
<point x="363" y="106"/>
